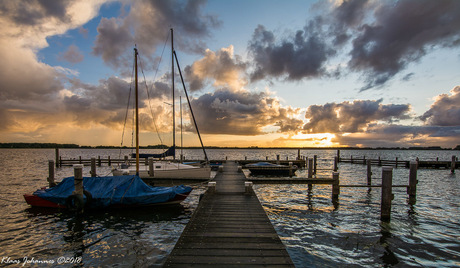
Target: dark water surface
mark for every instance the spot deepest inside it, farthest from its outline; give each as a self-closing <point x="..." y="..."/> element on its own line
<point x="316" y="232"/>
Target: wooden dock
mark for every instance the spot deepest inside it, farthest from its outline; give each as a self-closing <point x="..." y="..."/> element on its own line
<point x="229" y="228"/>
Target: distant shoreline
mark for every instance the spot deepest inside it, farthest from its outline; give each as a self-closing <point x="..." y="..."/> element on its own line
<point x="20" y="145"/>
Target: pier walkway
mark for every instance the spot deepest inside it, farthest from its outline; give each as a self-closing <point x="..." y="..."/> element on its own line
<point x="229" y="228"/>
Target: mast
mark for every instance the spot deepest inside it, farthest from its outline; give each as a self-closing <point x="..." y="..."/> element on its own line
<point x="137" y="113"/>
<point x="172" y="75"/>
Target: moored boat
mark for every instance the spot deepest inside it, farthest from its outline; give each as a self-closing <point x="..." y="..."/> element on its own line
<point x="270" y="169"/>
<point x="107" y="192"/>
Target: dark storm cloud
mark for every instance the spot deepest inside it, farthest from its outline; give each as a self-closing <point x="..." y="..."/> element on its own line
<point x="402" y="33"/>
<point x="30" y="12"/>
<point x="147" y="25"/>
<point x="385" y="37"/>
<point x="241" y="113"/>
<point x="301" y="56"/>
<point x="445" y="111"/>
<point x="351" y="116"/>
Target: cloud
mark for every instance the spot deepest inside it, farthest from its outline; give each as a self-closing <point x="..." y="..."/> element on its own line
<point x="147" y="25"/>
<point x="222" y="67"/>
<point x="72" y="55"/>
<point x="352" y="116"/>
<point x="445" y="111"/>
<point x="303" y="55"/>
<point x="391" y="135"/>
<point x="242" y="113"/>
<point x="402" y="32"/>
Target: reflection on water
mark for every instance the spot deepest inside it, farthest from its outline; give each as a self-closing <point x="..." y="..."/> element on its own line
<point x="317" y="231"/>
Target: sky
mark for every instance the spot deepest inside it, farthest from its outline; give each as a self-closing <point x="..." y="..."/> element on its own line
<point x="264" y="73"/>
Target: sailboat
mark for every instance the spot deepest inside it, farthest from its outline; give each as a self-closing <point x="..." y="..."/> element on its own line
<point x="165" y="169"/>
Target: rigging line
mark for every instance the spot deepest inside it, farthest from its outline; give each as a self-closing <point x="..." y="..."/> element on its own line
<point x="126" y="114"/>
<point x="148" y="96"/>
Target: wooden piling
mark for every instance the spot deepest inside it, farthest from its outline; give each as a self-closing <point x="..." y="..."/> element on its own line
<point x="338" y="154"/>
<point x="452" y="165"/>
<point x="278" y="159"/>
<point x="56" y="151"/>
<point x="93" y="167"/>
<point x="150" y="166"/>
<point x="396" y="164"/>
<point x="99" y="161"/>
<point x="290" y="170"/>
<point x="364" y="159"/>
<point x="315" y="163"/>
<point x="336" y="163"/>
<point x="369" y="172"/>
<point x="298" y="154"/>
<point x="78" y="179"/>
<point x="412" y="190"/>
<point x="387" y="195"/>
<point x="109" y="162"/>
<point x="335" y="186"/>
<point x="51" y="181"/>
<point x="310" y="173"/>
<point x="310" y="168"/>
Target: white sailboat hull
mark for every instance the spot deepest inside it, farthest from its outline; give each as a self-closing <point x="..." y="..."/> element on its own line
<point x="168" y="171"/>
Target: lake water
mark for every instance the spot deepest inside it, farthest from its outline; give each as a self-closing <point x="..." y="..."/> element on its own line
<point x="316" y="232"/>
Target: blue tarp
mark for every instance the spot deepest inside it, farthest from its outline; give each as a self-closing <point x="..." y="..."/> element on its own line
<point x="113" y="190"/>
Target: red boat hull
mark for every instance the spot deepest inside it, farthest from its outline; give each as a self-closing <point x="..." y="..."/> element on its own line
<point x="36" y="201"/>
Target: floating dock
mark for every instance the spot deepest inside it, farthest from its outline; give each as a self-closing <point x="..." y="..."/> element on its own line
<point x="229" y="228"/>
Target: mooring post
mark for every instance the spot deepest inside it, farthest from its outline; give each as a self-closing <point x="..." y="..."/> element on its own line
<point x="146" y="161"/>
<point x="99" y="161"/>
<point x="78" y="179"/>
<point x="290" y="170"/>
<point x="364" y="159"/>
<point x="380" y="161"/>
<point x="387" y="193"/>
<point x="56" y="151"/>
<point x="278" y="159"/>
<point x="310" y="173"/>
<point x="452" y="165"/>
<point x="298" y="154"/>
<point x="79" y="160"/>
<point x="315" y="163"/>
<point x="266" y="158"/>
<point x="248" y="187"/>
<point x="412" y="190"/>
<point x="336" y="163"/>
<point x="51" y="181"/>
<point x="93" y="167"/>
<point x="369" y="172"/>
<point x="109" y="162"/>
<point x="335" y="186"/>
<point x="338" y="154"/>
<point x="396" y="166"/>
<point x="212" y="186"/>
<point x="151" y="166"/>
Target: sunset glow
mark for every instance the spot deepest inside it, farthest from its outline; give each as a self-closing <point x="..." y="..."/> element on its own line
<point x="259" y="73"/>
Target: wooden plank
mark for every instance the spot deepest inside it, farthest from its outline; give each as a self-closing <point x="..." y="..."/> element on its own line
<point x="229" y="228"/>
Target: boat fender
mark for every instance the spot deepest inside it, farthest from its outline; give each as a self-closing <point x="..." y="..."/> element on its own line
<point x="75" y="203"/>
<point x="89" y="197"/>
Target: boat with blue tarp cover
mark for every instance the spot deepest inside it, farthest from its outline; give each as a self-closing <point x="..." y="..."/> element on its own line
<point x="270" y="169"/>
<point x="107" y="192"/>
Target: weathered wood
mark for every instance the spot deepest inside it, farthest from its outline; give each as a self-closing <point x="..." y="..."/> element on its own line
<point x="369" y="172"/>
<point x="387" y="195"/>
<point x="229" y="228"/>
<point x="78" y="179"/>
<point x="56" y="152"/>
<point x="412" y="190"/>
<point x="335" y="186"/>
<point x="452" y="164"/>
<point x="336" y="163"/>
<point x="93" y="167"/>
<point x="51" y="180"/>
